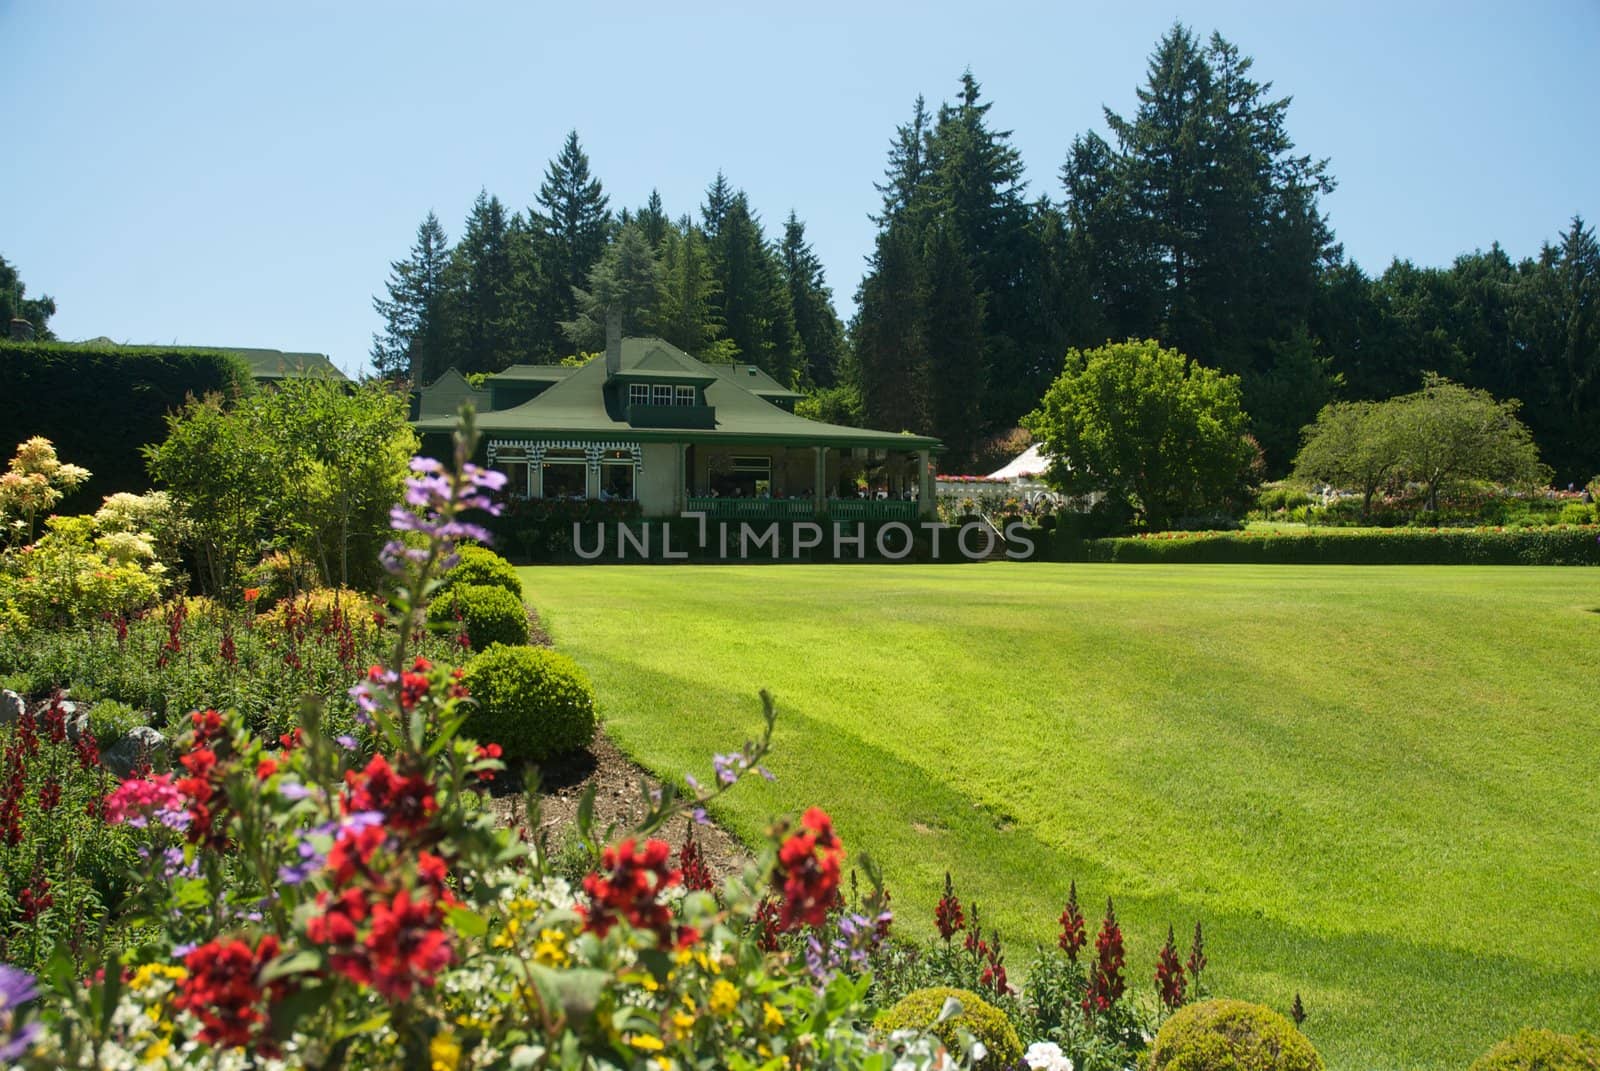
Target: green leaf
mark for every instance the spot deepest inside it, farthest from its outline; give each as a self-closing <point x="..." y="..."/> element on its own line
<point x="300" y="963"/>
<point x="467" y="923"/>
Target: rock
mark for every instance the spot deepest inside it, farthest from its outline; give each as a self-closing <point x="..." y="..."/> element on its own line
<point x="11" y="706"/>
<point x="141" y="746"/>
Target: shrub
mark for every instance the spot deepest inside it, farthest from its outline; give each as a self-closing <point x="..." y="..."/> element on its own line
<point x="489" y="615"/>
<point x="326" y="611"/>
<point x="1231" y="1035"/>
<point x="1542" y="1050"/>
<point x="482" y="566"/>
<point x="1399" y="546"/>
<point x="1577" y="513"/>
<point x="985" y="1022"/>
<point x="110" y="720"/>
<point x="279" y="575"/>
<point x="532" y="701"/>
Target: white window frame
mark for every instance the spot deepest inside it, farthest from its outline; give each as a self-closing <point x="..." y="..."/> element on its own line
<point x="638" y="394"/>
<point x="660" y="394"/>
<point x="685" y="395"/>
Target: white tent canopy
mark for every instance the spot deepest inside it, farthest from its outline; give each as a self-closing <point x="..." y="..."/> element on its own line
<point x="1026" y="467"/>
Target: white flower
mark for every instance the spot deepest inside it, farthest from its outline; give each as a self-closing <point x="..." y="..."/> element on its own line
<point x="1046" y="1056"/>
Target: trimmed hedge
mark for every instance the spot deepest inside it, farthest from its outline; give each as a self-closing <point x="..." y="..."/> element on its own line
<point x="919" y="1009"/>
<point x="1394" y="546"/>
<point x="489" y="615"/>
<point x="1542" y="1050"/>
<point x="1231" y="1035"/>
<point x="100" y="405"/>
<point x="482" y="566"/>
<point x="532" y="701"/>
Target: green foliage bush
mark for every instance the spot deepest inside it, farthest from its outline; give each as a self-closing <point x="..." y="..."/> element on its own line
<point x="482" y="566"/>
<point x="1396" y="546"/>
<point x="101" y="405"/>
<point x="489" y="615"/>
<point x="532" y="701"/>
<point x="110" y="720"/>
<point x="918" y="1010"/>
<point x="1231" y="1035"/>
<point x="1542" y="1050"/>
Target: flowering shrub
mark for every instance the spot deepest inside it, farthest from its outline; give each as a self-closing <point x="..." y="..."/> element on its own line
<point x="34" y="481"/>
<point x="349" y="900"/>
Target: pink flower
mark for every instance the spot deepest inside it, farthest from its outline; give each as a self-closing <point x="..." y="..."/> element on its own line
<point x="138" y="799"/>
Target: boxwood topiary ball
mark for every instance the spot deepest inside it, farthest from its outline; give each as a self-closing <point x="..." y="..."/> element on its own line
<point x="1231" y="1035"/>
<point x="919" y="1008"/>
<point x="489" y="615"/>
<point x="480" y="565"/>
<point x="532" y="701"/>
<point x="1542" y="1050"/>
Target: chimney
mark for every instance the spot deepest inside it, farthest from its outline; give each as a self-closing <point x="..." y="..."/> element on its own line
<point x="21" y="330"/>
<point x="613" y="342"/>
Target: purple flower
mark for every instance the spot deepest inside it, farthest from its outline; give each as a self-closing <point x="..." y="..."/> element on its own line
<point x="310" y="861"/>
<point x="293" y="790"/>
<point x="21" y="1042"/>
<point x="346" y="741"/>
<point x="16" y="986"/>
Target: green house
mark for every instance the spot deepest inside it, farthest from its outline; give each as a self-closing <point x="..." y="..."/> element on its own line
<point x="651" y="424"/>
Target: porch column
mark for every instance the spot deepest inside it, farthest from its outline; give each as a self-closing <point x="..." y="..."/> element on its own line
<point x="818" y="489"/>
<point x="680" y="494"/>
<point x="927" y="509"/>
<point x="591" y="468"/>
<point x="536" y="472"/>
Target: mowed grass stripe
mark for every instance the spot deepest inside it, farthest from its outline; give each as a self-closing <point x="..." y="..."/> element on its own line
<point x="1375" y="785"/>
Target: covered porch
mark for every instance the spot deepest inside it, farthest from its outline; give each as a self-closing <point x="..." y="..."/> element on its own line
<point x="792" y="482"/>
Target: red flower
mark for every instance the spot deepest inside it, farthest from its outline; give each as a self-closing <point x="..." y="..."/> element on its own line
<point x="487" y="753"/>
<point x="36" y="899"/>
<point x="1169" y="974"/>
<point x="808" y="871"/>
<point x="1197" y="955"/>
<point x="696" y="875"/>
<point x="948" y="916"/>
<point x="766" y="925"/>
<point x="407" y="803"/>
<point x="1106" y="983"/>
<point x="1073" y="933"/>
<point x="49" y="795"/>
<point x="223" y="990"/>
<point x="353" y="850"/>
<point x="633" y="877"/>
<point x="407" y="945"/>
<point x="252" y="594"/>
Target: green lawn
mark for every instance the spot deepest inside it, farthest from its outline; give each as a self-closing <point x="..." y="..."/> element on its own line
<point x="1376" y="786"/>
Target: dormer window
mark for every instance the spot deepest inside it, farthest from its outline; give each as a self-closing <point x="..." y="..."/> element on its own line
<point x="685" y="395"/>
<point x="661" y="394"/>
<point x="638" y="394"/>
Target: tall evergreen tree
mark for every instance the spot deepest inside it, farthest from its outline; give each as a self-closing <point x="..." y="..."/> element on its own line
<point x="719" y="196"/>
<point x="753" y="301"/>
<point x="890" y="350"/>
<point x="688" y="316"/>
<point x="480" y="273"/>
<point x="817" y="325"/>
<point x="415" y="341"/>
<point x="953" y="339"/>
<point x="626" y="280"/>
<point x="904" y="178"/>
<point x="572" y="225"/>
<point x="653" y="221"/>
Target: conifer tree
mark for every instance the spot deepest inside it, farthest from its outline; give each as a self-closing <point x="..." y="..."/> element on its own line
<point x="415" y="341"/>
<point x="480" y="273"/>
<point x="891" y="355"/>
<point x="719" y="196"/>
<point x="653" y="221"/>
<point x="753" y="301"/>
<point x="687" y="317"/>
<point x="817" y="325"/>
<point x="571" y="227"/>
<point x="626" y="280"/>
<point x="953" y="338"/>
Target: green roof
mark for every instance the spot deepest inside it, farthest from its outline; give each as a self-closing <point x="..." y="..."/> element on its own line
<point x="755" y="380"/>
<point x="584" y="405"/>
<point x="533" y="373"/>
<point x="277" y="364"/>
<point x="443" y="397"/>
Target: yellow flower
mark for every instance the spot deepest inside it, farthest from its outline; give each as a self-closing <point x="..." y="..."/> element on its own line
<point x="147" y="974"/>
<point x="551" y="949"/>
<point x="771" y="1017"/>
<point x="444" y="1052"/>
<point x="724" y="997"/>
<point x="665" y="1063"/>
<point x="157" y="1050"/>
<point x="647" y="1042"/>
<point x="682" y="1020"/>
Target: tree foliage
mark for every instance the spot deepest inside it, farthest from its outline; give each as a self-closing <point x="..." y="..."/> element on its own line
<point x="1143" y="426"/>
<point x="16" y="305"/>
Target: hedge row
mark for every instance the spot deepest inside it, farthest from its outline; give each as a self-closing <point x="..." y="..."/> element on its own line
<point x="100" y="404"/>
<point x="1399" y="546"/>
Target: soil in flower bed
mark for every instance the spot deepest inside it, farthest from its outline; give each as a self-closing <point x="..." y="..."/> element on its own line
<point x="615" y="777"/>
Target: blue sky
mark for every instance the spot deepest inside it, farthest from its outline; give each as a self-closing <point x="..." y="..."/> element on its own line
<point x="203" y="174"/>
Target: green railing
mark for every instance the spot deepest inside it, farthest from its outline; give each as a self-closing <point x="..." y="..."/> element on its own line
<point x="867" y="509"/>
<point x="802" y="509"/>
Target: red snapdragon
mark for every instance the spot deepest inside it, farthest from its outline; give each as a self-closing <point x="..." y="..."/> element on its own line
<point x="948" y="916"/>
<point x="808" y="871"/>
